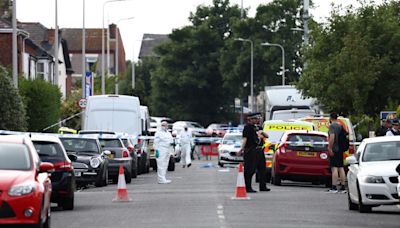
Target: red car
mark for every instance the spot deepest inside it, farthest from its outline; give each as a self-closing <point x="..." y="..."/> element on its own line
<point x="302" y="156"/>
<point x="25" y="186"/>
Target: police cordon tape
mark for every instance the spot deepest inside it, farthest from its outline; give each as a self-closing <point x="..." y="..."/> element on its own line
<point x="196" y="140"/>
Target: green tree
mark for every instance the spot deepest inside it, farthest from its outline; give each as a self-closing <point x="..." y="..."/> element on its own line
<point x="70" y="107"/>
<point x="187" y="83"/>
<point x="353" y="62"/>
<point x="13" y="116"/>
<point x="42" y="102"/>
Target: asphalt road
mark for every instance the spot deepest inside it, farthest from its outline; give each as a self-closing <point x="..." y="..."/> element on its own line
<point x="202" y="197"/>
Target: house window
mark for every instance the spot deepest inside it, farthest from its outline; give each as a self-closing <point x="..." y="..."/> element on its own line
<point x="40" y="71"/>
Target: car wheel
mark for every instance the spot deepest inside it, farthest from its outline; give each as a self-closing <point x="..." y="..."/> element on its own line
<point x="134" y="173"/>
<point x="276" y="179"/>
<point x="361" y="207"/>
<point x="220" y="164"/>
<point x="352" y="206"/>
<point x="67" y="203"/>
<point x="106" y="178"/>
<point x="101" y="179"/>
<point x="171" y="164"/>
<point x="147" y="169"/>
<point x="128" y="177"/>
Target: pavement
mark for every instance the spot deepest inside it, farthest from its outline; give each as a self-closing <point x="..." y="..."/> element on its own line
<point x="201" y="196"/>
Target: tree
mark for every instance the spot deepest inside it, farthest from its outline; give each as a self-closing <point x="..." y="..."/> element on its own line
<point x="187" y="83"/>
<point x="42" y="102"/>
<point x="69" y="107"/>
<point x="13" y="116"/>
<point x="353" y="62"/>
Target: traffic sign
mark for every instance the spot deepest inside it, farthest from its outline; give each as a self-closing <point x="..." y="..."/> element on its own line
<point x="82" y="103"/>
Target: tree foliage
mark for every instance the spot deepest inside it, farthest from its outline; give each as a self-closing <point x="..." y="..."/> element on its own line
<point x="13" y="116"/>
<point x="42" y="102"/>
<point x="353" y="62"/>
<point x="70" y="107"/>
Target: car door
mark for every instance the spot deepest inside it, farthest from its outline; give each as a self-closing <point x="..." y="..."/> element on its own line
<point x="352" y="174"/>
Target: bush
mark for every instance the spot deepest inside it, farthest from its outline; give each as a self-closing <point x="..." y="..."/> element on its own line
<point x="13" y="116"/>
<point x="70" y="107"/>
<point x="43" y="102"/>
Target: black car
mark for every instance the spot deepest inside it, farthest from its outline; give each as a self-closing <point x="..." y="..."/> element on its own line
<point x="51" y="150"/>
<point x="120" y="156"/>
<point x="88" y="159"/>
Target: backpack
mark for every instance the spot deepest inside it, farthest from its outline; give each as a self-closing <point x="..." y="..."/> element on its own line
<point x="344" y="142"/>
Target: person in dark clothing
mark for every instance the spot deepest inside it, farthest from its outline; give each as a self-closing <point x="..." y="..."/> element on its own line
<point x="385" y="127"/>
<point x="253" y="155"/>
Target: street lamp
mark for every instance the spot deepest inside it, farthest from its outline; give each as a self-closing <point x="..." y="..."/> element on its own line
<point x="283" y="58"/>
<point x="117" y="50"/>
<point x="251" y="71"/>
<point x="103" y="81"/>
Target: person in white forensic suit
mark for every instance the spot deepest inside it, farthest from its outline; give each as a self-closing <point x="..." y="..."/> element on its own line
<point x="163" y="142"/>
<point x="185" y="139"/>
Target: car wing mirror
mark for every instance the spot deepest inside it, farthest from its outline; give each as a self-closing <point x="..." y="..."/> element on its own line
<point x="352" y="160"/>
<point x="46" y="167"/>
<point x="73" y="157"/>
<point x="107" y="152"/>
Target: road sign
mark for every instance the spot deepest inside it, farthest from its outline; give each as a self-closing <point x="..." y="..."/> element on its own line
<point x="88" y="84"/>
<point x="82" y="103"/>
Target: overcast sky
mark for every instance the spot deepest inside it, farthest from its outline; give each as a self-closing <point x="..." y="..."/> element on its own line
<point x="150" y="16"/>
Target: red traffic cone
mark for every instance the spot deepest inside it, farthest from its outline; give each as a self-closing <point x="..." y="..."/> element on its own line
<point x="240" y="186"/>
<point x="122" y="193"/>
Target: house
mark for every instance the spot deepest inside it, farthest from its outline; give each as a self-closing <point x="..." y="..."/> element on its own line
<point x="93" y="50"/>
<point x="149" y="43"/>
<point x="35" y="53"/>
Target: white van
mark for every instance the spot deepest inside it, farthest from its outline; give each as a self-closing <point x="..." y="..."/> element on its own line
<point x="116" y="113"/>
<point x="293" y="113"/>
<point x="145" y="119"/>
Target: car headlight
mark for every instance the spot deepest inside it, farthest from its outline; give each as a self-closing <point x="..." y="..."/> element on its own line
<point x="95" y="162"/>
<point x="21" y="189"/>
<point x="373" y="180"/>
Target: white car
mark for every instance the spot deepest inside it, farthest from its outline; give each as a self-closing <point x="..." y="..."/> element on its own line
<point x="228" y="148"/>
<point x="194" y="127"/>
<point x="372" y="177"/>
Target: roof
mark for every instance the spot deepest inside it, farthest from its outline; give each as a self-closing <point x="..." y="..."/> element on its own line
<point x="46" y="138"/>
<point x="382" y="139"/>
<point x="4" y="24"/>
<point x="149" y="42"/>
<point x="306" y="132"/>
<point x="18" y="139"/>
<point x="74" y="39"/>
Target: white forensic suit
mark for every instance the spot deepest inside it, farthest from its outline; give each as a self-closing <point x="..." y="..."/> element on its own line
<point x="185" y="139"/>
<point x="163" y="144"/>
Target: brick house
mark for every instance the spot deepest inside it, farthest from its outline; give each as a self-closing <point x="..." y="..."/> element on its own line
<point x="93" y="50"/>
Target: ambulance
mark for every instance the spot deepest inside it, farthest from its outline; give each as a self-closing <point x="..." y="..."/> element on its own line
<point x="275" y="129"/>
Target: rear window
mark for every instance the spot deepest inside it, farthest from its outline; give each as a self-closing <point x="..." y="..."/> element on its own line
<point x="14" y="157"/>
<point x="80" y="145"/>
<point x="48" y="149"/>
<point x="307" y="142"/>
<point x="110" y="143"/>
<point x="383" y="151"/>
<point x="125" y="141"/>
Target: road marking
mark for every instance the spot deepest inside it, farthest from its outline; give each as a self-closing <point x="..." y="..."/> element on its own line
<point x="221" y="216"/>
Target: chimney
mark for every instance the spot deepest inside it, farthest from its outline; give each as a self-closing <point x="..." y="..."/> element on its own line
<point x="112" y="27"/>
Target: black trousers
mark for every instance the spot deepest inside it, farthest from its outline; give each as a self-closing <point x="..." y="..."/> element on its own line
<point x="254" y="159"/>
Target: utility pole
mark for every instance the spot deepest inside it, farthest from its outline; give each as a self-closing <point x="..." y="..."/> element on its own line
<point x="83" y="52"/>
<point x="14" y="45"/>
<point x="306" y="16"/>
<point x="56" y="47"/>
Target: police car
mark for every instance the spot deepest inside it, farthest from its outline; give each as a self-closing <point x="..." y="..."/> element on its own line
<point x="228" y="148"/>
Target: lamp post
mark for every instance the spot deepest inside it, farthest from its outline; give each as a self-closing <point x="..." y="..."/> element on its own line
<point x="103" y="81"/>
<point x="251" y="71"/>
<point x="283" y="58"/>
<point x="83" y="50"/>
<point x="117" y="50"/>
<point x="56" y="46"/>
<point x="14" y="45"/>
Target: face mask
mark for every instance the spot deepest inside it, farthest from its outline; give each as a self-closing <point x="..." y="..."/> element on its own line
<point x="164" y="128"/>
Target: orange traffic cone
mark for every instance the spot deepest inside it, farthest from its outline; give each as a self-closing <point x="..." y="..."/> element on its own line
<point x="122" y="193"/>
<point x="240" y="186"/>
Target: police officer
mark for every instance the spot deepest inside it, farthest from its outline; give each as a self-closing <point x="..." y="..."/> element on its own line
<point x="253" y="155"/>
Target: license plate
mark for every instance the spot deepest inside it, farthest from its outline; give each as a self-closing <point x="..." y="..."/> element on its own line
<point x="306" y="154"/>
<point x="78" y="174"/>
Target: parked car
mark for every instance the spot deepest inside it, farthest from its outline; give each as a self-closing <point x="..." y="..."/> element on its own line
<point x="302" y="156"/>
<point x="216" y="130"/>
<point x="90" y="162"/>
<point x="50" y="149"/>
<point x="25" y="185"/>
<point x="398" y="181"/>
<point x="372" y="177"/>
<point x="134" y="147"/>
<point x="120" y="155"/>
<point x="228" y="148"/>
<point x="196" y="128"/>
<point x="153" y="161"/>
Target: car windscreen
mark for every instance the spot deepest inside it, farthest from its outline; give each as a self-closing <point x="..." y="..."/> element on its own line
<point x="110" y="143"/>
<point x="48" y="149"/>
<point x="14" y="157"/>
<point x="232" y="139"/>
<point x="80" y="145"/>
<point x="382" y="151"/>
<point x="195" y="125"/>
<point x="307" y="142"/>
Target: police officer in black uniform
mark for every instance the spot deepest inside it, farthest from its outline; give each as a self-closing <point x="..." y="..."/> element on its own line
<point x="253" y="154"/>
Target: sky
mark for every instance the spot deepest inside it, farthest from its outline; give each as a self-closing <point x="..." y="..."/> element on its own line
<point x="150" y="16"/>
